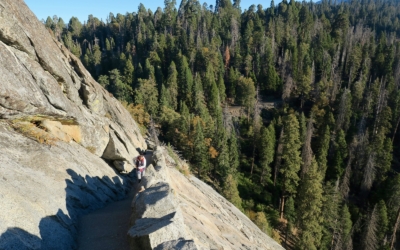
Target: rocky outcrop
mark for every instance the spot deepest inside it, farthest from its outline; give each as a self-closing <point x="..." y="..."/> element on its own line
<point x="62" y="137"/>
<point x="181" y="212"/>
<point x="42" y="80"/>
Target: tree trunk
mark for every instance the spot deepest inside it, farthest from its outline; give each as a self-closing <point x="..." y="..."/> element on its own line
<point x="254" y="154"/>
<point x="396" y="225"/>
<point x="262" y="175"/>
<point x="282" y="206"/>
<point x="286" y="234"/>
<point x="278" y="156"/>
<point x="395" y="130"/>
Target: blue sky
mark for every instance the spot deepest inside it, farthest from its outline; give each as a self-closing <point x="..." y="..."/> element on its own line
<point x="101" y="8"/>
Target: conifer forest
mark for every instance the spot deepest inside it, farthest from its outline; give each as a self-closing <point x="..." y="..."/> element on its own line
<point x="291" y="111"/>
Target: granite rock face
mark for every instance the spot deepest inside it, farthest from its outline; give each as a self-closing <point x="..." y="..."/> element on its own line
<point x="181" y="212"/>
<point x="63" y="138"/>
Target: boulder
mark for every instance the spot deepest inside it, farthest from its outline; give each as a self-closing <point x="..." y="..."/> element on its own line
<point x="123" y="166"/>
<point x="156" y="218"/>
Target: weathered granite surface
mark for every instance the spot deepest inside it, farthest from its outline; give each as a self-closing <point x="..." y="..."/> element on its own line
<point x="63" y="138"/>
<point x="181" y="212"/>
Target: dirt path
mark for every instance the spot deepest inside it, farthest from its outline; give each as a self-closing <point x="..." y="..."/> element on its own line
<point x="106" y="228"/>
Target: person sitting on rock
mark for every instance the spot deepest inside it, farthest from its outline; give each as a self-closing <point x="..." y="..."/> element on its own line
<point x="140" y="163"/>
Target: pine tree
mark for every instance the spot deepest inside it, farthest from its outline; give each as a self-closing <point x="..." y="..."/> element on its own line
<point x="221" y="88"/>
<point x="185" y="80"/>
<point x="323" y="148"/>
<point x="104" y="81"/>
<point x="303" y="127"/>
<point x="383" y="223"/>
<point x="310" y="200"/>
<point x="95" y="60"/>
<point x="232" y="80"/>
<point x="231" y="192"/>
<point x="344" y="238"/>
<point x="200" y="106"/>
<point x="291" y="158"/>
<point x="128" y="73"/>
<point x="172" y="86"/>
<point x="331" y="212"/>
<point x="233" y="153"/>
<point x="121" y="91"/>
<point x="341" y="152"/>
<point x="273" y="81"/>
<point x="223" y="157"/>
<point x="214" y="101"/>
<point x="149" y="71"/>
<point x="147" y="95"/>
<point x="247" y="92"/>
<point x="262" y="223"/>
<point x="267" y="151"/>
<point x="164" y="98"/>
<point x="199" y="150"/>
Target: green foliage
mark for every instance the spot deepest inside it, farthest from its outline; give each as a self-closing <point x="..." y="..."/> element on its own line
<point x="345" y="225"/>
<point x="172" y="86"/>
<point x="383" y="221"/>
<point x="147" y="95"/>
<point x="267" y="150"/>
<point x="323" y="148"/>
<point x="230" y="191"/>
<point x="330" y="212"/>
<point x="262" y="223"/>
<point x="291" y="155"/>
<point x="341" y="151"/>
<point x="122" y="91"/>
<point x="200" y="151"/>
<point x="310" y="202"/>
<point x="233" y="153"/>
<point x="246" y="87"/>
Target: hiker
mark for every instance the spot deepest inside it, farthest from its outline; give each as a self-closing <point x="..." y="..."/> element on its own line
<point x="140" y="163"/>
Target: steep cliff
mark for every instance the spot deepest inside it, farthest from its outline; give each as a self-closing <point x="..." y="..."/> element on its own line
<point x="59" y="133"/>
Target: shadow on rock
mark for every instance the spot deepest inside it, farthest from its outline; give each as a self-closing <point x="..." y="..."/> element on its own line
<point x="180" y="244"/>
<point x="147" y="226"/>
<point x="144" y="227"/>
<point x="59" y="231"/>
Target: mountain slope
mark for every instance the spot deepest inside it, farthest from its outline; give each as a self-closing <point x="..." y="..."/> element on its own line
<point x="64" y="141"/>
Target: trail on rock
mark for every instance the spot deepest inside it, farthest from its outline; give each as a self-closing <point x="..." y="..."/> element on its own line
<point x="107" y="228"/>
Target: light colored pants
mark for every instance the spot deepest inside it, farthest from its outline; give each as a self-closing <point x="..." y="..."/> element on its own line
<point x="140" y="174"/>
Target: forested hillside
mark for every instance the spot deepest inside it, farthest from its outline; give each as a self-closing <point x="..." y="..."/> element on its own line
<point x="322" y="167"/>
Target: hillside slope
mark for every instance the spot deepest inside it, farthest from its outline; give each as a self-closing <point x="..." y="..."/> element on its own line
<point x="64" y="142"/>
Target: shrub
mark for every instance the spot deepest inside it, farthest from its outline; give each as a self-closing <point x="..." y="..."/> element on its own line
<point x="32" y="131"/>
<point x="91" y="149"/>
